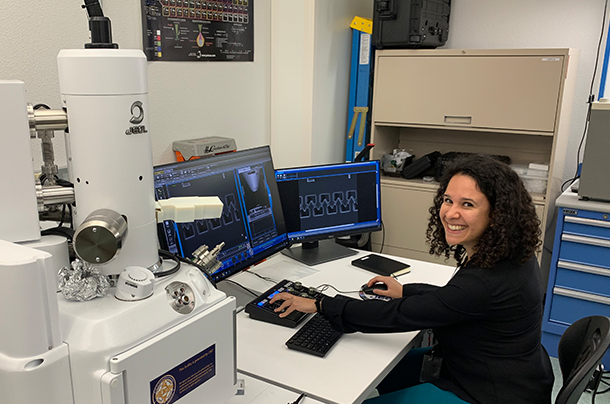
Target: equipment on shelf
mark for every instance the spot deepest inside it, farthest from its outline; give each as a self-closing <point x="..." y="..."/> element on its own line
<point x="410" y="23"/>
<point x="316" y="337"/>
<point x="261" y="309"/>
<point x="421" y="166"/>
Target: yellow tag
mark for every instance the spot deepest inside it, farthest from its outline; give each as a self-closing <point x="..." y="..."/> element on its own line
<point x="362" y="24"/>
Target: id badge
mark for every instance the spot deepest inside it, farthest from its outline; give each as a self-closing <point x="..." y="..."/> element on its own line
<point x="430" y="368"/>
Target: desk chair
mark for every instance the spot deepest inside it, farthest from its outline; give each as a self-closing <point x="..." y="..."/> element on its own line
<point x="580" y="353"/>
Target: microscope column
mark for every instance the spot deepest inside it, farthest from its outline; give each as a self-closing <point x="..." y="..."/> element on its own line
<point x="105" y="92"/>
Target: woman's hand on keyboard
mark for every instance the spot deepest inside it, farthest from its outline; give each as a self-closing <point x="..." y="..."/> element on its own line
<point x="291" y="303"/>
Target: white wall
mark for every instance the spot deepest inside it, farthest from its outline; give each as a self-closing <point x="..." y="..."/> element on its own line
<point x="495" y="24"/>
<point x="187" y="99"/>
<point x="295" y="96"/>
<point x="310" y="62"/>
<point x="331" y="76"/>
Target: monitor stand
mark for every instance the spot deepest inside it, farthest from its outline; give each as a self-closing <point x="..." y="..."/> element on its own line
<point x="317" y="252"/>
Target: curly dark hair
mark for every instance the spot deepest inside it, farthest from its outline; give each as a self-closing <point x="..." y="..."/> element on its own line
<point x="514" y="230"/>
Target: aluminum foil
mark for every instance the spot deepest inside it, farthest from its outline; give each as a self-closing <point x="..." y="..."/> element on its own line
<point x="82" y="282"/>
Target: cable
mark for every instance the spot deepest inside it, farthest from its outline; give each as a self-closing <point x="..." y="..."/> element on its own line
<point x="59" y="231"/>
<point x="243" y="287"/>
<point x="63" y="215"/>
<point x="596" y="382"/>
<point x="265" y="278"/>
<point x="382" y="237"/>
<point x="589" y="100"/>
<point x="325" y="286"/>
<point x="171" y="271"/>
<point x="63" y="183"/>
<point x="71" y="221"/>
<point x="176" y="257"/>
<point x="299" y="399"/>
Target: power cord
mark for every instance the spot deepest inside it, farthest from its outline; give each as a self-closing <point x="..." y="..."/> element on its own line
<point x="589" y="101"/>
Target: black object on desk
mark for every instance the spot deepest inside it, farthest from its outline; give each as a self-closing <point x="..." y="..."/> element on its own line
<point x="316" y="337"/>
<point x="261" y="308"/>
<point x="380" y="265"/>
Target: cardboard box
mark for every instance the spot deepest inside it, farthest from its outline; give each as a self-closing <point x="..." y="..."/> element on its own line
<point x="206" y="146"/>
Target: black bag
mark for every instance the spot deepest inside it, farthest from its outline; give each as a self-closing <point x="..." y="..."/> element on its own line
<point x="422" y="166"/>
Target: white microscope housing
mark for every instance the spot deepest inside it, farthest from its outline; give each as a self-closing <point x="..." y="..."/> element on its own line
<point x="175" y="342"/>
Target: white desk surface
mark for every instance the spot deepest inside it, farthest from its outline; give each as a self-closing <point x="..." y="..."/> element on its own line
<point x="355" y="365"/>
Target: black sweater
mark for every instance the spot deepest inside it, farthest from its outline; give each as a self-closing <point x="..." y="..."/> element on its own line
<point x="487" y="323"/>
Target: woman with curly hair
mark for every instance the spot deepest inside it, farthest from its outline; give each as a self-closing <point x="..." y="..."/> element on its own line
<point x="487" y="319"/>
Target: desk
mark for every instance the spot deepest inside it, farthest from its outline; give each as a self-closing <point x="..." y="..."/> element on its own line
<point x="355" y="365"/>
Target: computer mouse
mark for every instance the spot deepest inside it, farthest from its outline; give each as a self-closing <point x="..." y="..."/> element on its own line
<point x="369" y="289"/>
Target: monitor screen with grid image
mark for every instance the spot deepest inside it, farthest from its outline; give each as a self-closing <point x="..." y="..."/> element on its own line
<point x="252" y="223"/>
<point x="326" y="201"/>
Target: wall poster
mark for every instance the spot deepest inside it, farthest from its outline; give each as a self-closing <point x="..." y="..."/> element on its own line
<point x="193" y="30"/>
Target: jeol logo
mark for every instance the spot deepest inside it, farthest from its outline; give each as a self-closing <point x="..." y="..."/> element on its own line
<point x="137" y="119"/>
<point x="137" y="116"/>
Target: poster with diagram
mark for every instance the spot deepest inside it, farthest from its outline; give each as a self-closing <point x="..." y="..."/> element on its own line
<point x="189" y="30"/>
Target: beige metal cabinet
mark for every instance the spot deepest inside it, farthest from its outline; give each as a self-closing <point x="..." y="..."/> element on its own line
<point x="513" y="102"/>
<point x="478" y="91"/>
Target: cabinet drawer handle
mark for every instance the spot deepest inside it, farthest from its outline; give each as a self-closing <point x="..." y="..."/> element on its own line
<point x="586" y="240"/>
<point x="583" y="268"/>
<point x="466" y="120"/>
<point x="581" y="295"/>
<point x="590" y="222"/>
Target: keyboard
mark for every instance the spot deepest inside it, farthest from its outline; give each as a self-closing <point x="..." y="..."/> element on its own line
<point x="316" y="337"/>
<point x="261" y="309"/>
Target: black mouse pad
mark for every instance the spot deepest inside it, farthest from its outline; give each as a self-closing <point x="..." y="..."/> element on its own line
<point x="379" y="265"/>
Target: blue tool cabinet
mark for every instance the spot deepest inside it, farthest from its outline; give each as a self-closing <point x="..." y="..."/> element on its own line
<point x="579" y="277"/>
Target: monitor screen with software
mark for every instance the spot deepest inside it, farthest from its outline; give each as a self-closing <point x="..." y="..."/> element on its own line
<point x="322" y="202"/>
<point x="252" y="223"/>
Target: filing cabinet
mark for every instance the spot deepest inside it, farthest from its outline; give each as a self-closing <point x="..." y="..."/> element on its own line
<point x="511" y="102"/>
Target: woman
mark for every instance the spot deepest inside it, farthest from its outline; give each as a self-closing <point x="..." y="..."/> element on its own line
<point x="487" y="319"/>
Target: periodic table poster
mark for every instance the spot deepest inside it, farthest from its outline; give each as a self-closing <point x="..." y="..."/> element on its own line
<point x="193" y="30"/>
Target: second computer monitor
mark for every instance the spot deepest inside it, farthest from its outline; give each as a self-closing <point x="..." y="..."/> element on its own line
<point x="326" y="201"/>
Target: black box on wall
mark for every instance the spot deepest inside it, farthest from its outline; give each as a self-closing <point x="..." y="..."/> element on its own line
<point x="410" y="23"/>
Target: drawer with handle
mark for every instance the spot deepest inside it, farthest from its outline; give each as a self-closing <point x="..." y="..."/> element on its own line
<point x="585" y="250"/>
<point x="568" y="305"/>
<point x="586" y="278"/>
<point x="587" y="227"/>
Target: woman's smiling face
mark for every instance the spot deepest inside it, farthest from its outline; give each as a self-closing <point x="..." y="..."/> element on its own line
<point x="464" y="212"/>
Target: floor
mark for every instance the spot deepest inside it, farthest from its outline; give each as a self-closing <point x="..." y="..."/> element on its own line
<point x="584" y="399"/>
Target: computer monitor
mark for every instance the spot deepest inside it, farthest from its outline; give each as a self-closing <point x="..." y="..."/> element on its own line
<point x="252" y="224"/>
<point x="326" y="201"/>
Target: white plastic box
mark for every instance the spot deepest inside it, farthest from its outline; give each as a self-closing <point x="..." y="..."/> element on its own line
<point x="534" y="176"/>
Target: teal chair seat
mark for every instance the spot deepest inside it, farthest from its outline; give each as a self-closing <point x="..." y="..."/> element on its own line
<point x="421" y="393"/>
